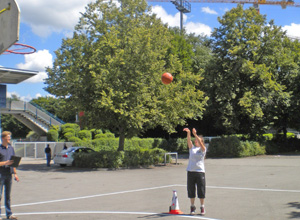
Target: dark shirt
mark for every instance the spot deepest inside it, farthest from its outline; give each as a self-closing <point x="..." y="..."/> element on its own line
<point x="5" y="154"/>
<point x="47" y="150"/>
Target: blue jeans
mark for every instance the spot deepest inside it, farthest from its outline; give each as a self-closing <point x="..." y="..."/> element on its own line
<point x="6" y="182"/>
<point x="48" y="156"/>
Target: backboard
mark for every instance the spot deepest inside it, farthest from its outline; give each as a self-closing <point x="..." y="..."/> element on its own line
<point x="9" y="24"/>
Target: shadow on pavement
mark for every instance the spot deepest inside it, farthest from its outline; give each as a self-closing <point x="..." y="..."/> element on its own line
<point x="294" y="214"/>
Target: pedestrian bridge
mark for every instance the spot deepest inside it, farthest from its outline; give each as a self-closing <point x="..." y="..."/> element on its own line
<point x="32" y="116"/>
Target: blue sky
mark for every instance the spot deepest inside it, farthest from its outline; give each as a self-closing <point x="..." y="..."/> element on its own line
<point x="45" y="23"/>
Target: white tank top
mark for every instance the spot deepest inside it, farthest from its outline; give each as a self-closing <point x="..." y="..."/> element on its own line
<point x="196" y="160"/>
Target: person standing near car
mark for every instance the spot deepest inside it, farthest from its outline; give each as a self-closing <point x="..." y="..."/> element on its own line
<point x="48" y="154"/>
<point x="196" y="170"/>
<point x="6" y="151"/>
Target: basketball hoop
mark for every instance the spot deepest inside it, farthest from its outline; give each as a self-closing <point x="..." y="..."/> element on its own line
<point x="22" y="49"/>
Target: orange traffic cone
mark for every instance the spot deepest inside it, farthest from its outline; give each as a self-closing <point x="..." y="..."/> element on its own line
<point x="174" y="208"/>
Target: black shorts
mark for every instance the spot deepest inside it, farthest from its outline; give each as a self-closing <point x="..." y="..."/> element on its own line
<point x="193" y="179"/>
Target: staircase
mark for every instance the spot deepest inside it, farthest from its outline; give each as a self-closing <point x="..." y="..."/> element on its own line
<point x="33" y="116"/>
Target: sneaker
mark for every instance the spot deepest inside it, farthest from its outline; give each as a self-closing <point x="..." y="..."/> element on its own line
<point x="12" y="217"/>
<point x="193" y="209"/>
<point x="202" y="211"/>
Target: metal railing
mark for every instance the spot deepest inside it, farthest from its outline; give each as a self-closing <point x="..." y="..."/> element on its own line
<point x="33" y="110"/>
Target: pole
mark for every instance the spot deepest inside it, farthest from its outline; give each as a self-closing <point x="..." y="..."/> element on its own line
<point x="181" y="21"/>
<point x="181" y="16"/>
<point x="0" y="124"/>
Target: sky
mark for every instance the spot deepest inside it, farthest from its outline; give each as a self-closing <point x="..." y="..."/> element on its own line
<point x="45" y="23"/>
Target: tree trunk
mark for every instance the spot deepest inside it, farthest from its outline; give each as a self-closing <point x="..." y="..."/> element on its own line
<point x="284" y="129"/>
<point x="121" y="140"/>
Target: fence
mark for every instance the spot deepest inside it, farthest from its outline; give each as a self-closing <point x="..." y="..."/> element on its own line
<point x="37" y="149"/>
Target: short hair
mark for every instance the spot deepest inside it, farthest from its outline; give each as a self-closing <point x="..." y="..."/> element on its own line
<point x="5" y="133"/>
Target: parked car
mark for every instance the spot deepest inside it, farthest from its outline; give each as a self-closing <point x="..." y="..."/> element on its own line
<point x="65" y="157"/>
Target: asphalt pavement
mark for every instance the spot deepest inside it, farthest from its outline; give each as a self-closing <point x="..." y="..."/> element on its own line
<point x="260" y="188"/>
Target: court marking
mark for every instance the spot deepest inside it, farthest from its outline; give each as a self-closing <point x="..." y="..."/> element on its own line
<point x="116" y="212"/>
<point x="250" y="189"/>
<point x="93" y="196"/>
<point x="152" y="188"/>
<point x="106" y="212"/>
<point x="138" y="190"/>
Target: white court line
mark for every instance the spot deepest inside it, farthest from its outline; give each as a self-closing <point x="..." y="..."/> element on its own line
<point x="153" y="188"/>
<point x="111" y="212"/>
<point x="251" y="189"/>
<point x="106" y="212"/>
<point x="93" y="196"/>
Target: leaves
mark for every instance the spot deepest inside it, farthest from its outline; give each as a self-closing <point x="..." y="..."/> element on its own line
<point x="112" y="66"/>
<point x="246" y="78"/>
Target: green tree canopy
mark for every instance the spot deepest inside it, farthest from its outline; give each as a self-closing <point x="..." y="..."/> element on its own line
<point x="58" y="107"/>
<point x="112" y="66"/>
<point x="245" y="82"/>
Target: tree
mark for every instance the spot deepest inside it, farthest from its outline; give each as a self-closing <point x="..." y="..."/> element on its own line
<point x="294" y="110"/>
<point x="287" y="114"/>
<point x="111" y="70"/>
<point x="58" y="107"/>
<point x="244" y="81"/>
<point x="202" y="54"/>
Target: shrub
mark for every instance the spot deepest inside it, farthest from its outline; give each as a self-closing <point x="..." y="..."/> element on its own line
<point x="69" y="130"/>
<point x="251" y="148"/>
<point x="68" y="135"/>
<point x="74" y="139"/>
<point x="109" y="135"/>
<point x="55" y="127"/>
<point x="115" y="159"/>
<point x="280" y="145"/>
<point x="173" y="145"/>
<point x="95" y="132"/>
<point x="102" y="159"/>
<point x="85" y="134"/>
<point x="233" y="147"/>
<point x="52" y="135"/>
<point x="224" y="147"/>
<point x="97" y="136"/>
<point x="68" y="126"/>
<point x="143" y="157"/>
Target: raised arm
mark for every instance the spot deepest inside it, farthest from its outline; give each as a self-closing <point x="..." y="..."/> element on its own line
<point x="199" y="139"/>
<point x="189" y="139"/>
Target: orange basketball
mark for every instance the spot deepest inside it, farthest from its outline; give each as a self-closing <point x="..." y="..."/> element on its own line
<point x="166" y="78"/>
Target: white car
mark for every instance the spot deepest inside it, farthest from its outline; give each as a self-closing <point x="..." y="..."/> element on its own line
<point x="65" y="157"/>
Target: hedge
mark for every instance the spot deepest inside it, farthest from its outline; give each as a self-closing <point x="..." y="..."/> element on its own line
<point x="85" y="135"/>
<point x="52" y="135"/>
<point x="113" y="159"/>
<point x="233" y="147"/>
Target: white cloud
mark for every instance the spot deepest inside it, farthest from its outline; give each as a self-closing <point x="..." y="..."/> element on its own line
<point x="38" y="62"/>
<point x="45" y="17"/>
<point x="171" y="20"/>
<point x="208" y="10"/>
<point x="292" y="30"/>
<point x="174" y="21"/>
<point x="26" y="98"/>
<point x="198" y="28"/>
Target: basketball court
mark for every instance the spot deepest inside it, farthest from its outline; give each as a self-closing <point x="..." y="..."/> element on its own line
<point x="259" y="188"/>
<point x="263" y="188"/>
